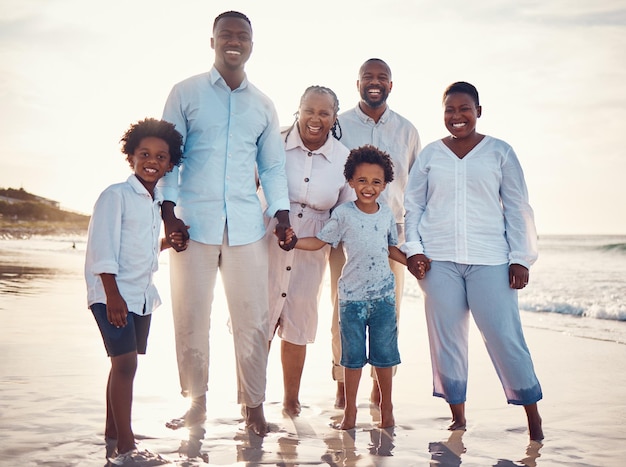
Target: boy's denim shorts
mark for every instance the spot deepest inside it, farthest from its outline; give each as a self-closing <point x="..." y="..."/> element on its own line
<point x="117" y="341"/>
<point x="375" y="319"/>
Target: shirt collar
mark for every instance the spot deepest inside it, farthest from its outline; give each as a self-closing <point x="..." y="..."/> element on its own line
<point x="215" y="76"/>
<point x="295" y="141"/>
<point x="138" y="187"/>
<point x="366" y="118"/>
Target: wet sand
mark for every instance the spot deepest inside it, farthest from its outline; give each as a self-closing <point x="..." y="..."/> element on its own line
<point x="53" y="370"/>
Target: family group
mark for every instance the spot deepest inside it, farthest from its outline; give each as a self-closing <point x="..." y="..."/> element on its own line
<point x="271" y="209"/>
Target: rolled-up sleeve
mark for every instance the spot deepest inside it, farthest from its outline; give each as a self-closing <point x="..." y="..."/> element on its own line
<point x="105" y="234"/>
<point x="271" y="167"/>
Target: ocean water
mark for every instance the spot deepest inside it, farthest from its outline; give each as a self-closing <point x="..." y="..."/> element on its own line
<point x="578" y="286"/>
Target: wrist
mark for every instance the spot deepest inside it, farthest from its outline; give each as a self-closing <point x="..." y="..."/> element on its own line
<point x="282" y="216"/>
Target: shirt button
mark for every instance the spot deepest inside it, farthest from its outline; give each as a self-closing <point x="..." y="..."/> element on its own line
<point x="300" y="214"/>
<point x="310" y="154"/>
<point x="283" y="294"/>
<point x="306" y="179"/>
<point x="303" y="205"/>
<point x="288" y="268"/>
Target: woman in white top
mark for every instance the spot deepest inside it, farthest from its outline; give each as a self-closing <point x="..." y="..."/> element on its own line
<point x="314" y="166"/>
<point x="471" y="228"/>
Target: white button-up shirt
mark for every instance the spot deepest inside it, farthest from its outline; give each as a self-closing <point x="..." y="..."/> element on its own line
<point x="123" y="239"/>
<point x="473" y="210"/>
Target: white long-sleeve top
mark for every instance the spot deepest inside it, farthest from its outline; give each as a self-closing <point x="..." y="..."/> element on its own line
<point x="473" y="210"/>
<point x="123" y="239"/>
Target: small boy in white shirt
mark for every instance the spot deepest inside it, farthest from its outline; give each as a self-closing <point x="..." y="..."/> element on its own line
<point x="121" y="257"/>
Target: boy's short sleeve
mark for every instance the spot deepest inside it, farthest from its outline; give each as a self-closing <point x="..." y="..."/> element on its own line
<point x="393" y="232"/>
<point x="331" y="232"/>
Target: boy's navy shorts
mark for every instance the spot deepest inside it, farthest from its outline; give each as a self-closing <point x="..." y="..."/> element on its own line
<point x="117" y="341"/>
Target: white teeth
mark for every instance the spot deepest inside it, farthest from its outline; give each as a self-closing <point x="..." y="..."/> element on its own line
<point x="458" y="125"/>
<point x="233" y="52"/>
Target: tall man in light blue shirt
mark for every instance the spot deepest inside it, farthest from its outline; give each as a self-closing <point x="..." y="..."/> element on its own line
<point x="371" y="121"/>
<point x="231" y="134"/>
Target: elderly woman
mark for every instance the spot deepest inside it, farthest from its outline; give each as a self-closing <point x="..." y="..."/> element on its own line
<point x="314" y="165"/>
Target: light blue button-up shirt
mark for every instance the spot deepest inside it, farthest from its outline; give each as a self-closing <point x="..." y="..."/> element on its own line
<point x="229" y="136"/>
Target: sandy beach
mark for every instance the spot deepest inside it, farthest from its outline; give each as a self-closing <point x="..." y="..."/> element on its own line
<point x="53" y="370"/>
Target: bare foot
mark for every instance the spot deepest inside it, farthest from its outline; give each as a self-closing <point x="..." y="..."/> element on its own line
<point x="457" y="425"/>
<point x="194" y="416"/>
<point x="111" y="447"/>
<point x="340" y="398"/>
<point x="387" y="419"/>
<point x="458" y="417"/>
<point x="349" y="420"/>
<point x="375" y="395"/>
<point x="292" y="408"/>
<point x="255" y="420"/>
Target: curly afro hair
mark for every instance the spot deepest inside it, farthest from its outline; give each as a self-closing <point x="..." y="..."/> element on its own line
<point x="371" y="155"/>
<point x="158" y="129"/>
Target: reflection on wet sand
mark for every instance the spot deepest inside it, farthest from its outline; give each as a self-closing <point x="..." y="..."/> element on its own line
<point x="17" y="278"/>
<point x="448" y="453"/>
<point x="192" y="448"/>
<point x="532" y="454"/>
<point x="382" y="441"/>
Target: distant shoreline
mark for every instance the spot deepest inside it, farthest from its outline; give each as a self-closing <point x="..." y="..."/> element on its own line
<point x="16" y="229"/>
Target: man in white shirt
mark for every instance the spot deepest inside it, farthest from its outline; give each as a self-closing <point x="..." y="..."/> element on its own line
<point x="371" y="121"/>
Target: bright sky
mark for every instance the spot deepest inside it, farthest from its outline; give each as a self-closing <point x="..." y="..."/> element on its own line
<point x="75" y="74"/>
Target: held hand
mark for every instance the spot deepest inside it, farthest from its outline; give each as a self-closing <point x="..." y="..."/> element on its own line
<point x="178" y="240"/>
<point x="176" y="233"/>
<point x="290" y="240"/>
<point x="174" y="225"/>
<point x="281" y="228"/>
<point x="418" y="265"/>
<point x="518" y="276"/>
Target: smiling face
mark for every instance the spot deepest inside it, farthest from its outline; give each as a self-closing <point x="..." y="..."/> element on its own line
<point x="374" y="83"/>
<point x="232" y="42"/>
<point x="151" y="161"/>
<point x="368" y="182"/>
<point x="460" y="114"/>
<point x="316" y="116"/>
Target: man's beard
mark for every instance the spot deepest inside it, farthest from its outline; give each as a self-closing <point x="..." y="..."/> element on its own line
<point x="377" y="103"/>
